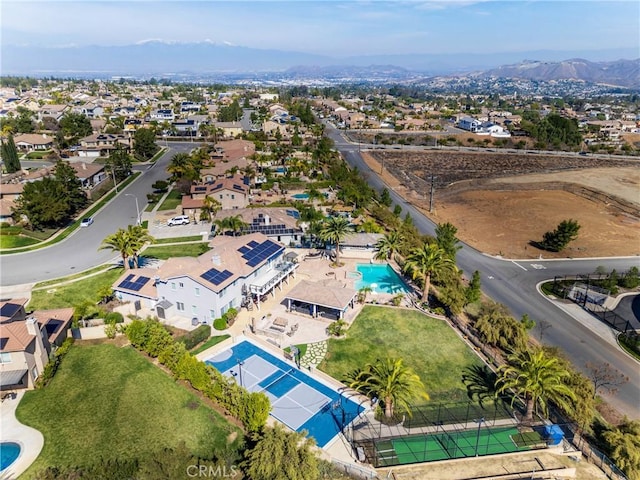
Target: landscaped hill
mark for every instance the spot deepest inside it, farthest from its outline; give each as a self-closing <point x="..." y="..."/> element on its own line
<point x="107" y="402"/>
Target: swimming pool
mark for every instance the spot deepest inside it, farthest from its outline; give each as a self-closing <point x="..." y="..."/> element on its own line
<point x="381" y="278"/>
<point x="297" y="399"/>
<point x="300" y="196"/>
<point x="9" y="452"/>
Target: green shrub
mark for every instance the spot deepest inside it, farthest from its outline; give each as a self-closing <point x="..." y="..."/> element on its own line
<point x="110" y="330"/>
<point x="50" y="368"/>
<point x="337" y="328"/>
<point x="113" y="318"/>
<point x="195" y="337"/>
<point x="255" y="411"/>
<point x="231" y="316"/>
<point x="220" y="324"/>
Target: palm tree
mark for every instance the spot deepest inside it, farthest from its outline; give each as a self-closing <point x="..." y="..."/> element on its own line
<point x="363" y="292"/>
<point x="391" y="381"/>
<point x="538" y="377"/>
<point x="426" y="261"/>
<point x="210" y="206"/>
<point x="334" y="230"/>
<point x="179" y="166"/>
<point x="389" y="245"/>
<point x="119" y="242"/>
<point x="138" y="237"/>
<point x="236" y="224"/>
<point x="480" y="381"/>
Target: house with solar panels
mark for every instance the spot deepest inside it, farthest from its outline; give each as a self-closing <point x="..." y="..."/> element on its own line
<point x="279" y="224"/>
<point x="237" y="271"/>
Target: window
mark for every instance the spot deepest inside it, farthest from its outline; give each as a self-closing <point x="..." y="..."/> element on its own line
<point x="180" y="306"/>
<point x="34" y="372"/>
<point x="194" y="309"/>
<point x="181" y="285"/>
<point x="233" y="197"/>
<point x="5" y="358"/>
<point x="197" y="291"/>
<point x="173" y="285"/>
<point x="212" y="313"/>
<point x="221" y="196"/>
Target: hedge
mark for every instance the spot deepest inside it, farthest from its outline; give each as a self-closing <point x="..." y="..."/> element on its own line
<point x="252" y="409"/>
<point x="51" y="368"/>
<point x="195" y="337"/>
<point x="220" y="324"/>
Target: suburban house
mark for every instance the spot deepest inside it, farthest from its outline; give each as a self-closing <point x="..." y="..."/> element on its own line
<point x="229" y="155"/>
<point x="90" y="174"/>
<point x="238" y="271"/>
<point x="189" y="107"/>
<point x="229" y="129"/>
<point x="26" y="341"/>
<point x="469" y="124"/>
<point x="101" y="144"/>
<point x="232" y="193"/>
<point x="163" y="115"/>
<point x="32" y="142"/>
<point x="279" y="224"/>
<point x="9" y="193"/>
<point x="53" y="111"/>
<point x="329" y="299"/>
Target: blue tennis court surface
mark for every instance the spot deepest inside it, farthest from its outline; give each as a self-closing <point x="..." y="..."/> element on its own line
<point x="297" y="400"/>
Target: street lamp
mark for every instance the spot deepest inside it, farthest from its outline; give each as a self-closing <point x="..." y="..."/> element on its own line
<point x="137" y="207"/>
<point x="240" y="364"/>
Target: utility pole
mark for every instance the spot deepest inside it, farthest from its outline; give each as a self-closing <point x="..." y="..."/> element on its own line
<point x="431" y="192"/>
<point x="115" y="183"/>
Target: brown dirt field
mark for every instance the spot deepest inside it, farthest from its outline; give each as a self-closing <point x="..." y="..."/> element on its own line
<point x="502" y="215"/>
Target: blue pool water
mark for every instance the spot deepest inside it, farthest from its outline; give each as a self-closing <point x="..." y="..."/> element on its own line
<point x="298" y="400"/>
<point x="9" y="452"/>
<point x="300" y="196"/>
<point x="381" y="278"/>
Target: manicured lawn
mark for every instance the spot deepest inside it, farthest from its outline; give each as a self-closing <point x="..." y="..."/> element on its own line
<point x="429" y="346"/>
<point x="110" y="402"/>
<point x="192" y="238"/>
<point x="172" y="201"/>
<point x="14" y="241"/>
<point x="210" y="343"/>
<point x="186" y="250"/>
<point x="74" y="293"/>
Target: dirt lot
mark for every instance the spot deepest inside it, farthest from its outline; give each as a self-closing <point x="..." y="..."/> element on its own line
<point x="502" y="203"/>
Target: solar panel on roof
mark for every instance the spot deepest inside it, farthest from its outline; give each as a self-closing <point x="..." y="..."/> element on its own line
<point x="215" y="276"/>
<point x="293" y="213"/>
<point x="253" y="244"/>
<point x="139" y="283"/>
<point x="244" y="249"/>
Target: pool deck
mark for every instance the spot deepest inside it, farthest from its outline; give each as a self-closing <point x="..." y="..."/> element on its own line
<point x="30" y="440"/>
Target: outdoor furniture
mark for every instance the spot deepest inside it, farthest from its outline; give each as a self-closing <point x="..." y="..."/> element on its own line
<point x="280" y="322"/>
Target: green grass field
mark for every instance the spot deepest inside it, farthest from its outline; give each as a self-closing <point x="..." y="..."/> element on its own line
<point x="74" y="293"/>
<point x="210" y="343"/>
<point x="429" y="346"/>
<point x="15" y="241"/>
<point x="192" y="238"/>
<point x="172" y="201"/>
<point x="185" y="250"/>
<point x="112" y="403"/>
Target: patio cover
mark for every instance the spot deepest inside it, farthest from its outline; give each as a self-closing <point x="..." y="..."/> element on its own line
<point x="330" y="296"/>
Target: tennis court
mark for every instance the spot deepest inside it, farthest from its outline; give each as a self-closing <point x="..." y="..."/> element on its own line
<point x="456" y="444"/>
<point x="298" y="400"/>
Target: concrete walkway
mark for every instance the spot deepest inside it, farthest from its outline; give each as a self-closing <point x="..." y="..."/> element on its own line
<point x="30" y="440"/>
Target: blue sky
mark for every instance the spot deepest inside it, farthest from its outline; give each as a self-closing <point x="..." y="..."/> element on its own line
<point x="335" y="28"/>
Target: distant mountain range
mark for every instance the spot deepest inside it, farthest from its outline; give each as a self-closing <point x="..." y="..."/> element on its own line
<point x="161" y="60"/>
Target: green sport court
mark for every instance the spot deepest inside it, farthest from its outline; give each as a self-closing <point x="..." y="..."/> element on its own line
<point x="455" y="444"/>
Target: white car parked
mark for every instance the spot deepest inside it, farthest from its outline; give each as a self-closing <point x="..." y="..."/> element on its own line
<point x="179" y="220"/>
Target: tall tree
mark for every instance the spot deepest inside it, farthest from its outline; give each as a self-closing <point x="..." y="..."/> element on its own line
<point x="447" y="240"/>
<point x="119" y="242"/>
<point x="66" y="175"/>
<point x="395" y="384"/>
<point x="426" y="261"/>
<point x="537" y="377"/>
<point x="623" y="444"/>
<point x="9" y="154"/>
<point x="75" y="126"/>
<point x="144" y="144"/>
<point x="138" y="236"/>
<point x="119" y="163"/>
<point x="282" y="455"/>
<point x="558" y="239"/>
<point x="334" y="230"/>
<point x="389" y="245"/>
<point x="210" y="206"/>
<point x="44" y="203"/>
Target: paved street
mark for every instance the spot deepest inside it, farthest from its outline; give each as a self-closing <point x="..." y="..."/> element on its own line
<point x="514" y="283"/>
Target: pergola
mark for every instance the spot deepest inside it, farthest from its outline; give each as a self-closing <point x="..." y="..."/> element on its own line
<point x="316" y="298"/>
